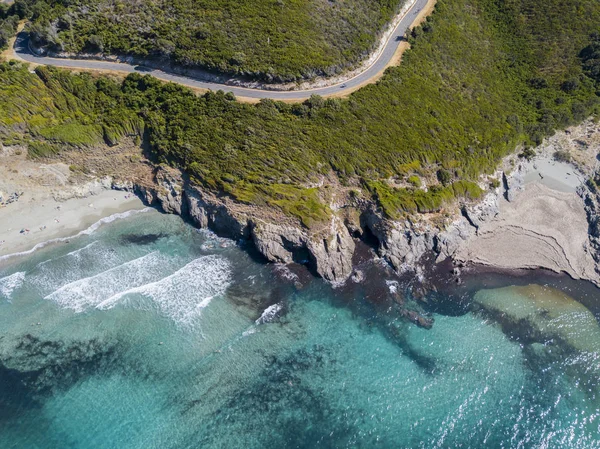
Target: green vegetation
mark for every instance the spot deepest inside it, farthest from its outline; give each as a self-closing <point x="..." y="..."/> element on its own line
<point x="8" y="24"/>
<point x="494" y="184"/>
<point x="300" y="202"/>
<point x="482" y="77"/>
<point x="274" y="40"/>
<point x="395" y="201"/>
<point x="72" y="133"/>
<point x="590" y="57"/>
<point x="52" y="110"/>
<point x="415" y="181"/>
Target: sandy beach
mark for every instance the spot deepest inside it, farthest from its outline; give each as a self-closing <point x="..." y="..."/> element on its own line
<point x="44" y="200"/>
<point x="30" y="221"/>
<point x="543" y="224"/>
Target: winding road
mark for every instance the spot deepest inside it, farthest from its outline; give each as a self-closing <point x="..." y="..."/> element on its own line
<point x="370" y="74"/>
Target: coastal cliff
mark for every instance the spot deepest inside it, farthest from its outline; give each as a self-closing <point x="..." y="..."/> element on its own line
<point x="533" y="219"/>
<point x="538" y="213"/>
<point x="327" y="250"/>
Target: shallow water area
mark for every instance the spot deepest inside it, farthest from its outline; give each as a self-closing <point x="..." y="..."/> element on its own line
<point x="150" y="334"/>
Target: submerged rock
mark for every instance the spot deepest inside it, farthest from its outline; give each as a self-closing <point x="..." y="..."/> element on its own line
<point x="538" y="314"/>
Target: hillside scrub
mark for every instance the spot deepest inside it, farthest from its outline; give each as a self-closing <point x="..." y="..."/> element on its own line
<point x="270" y="40"/>
<point x="482" y="77"/>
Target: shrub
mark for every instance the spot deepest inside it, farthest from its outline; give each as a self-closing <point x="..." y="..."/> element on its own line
<point x="36" y="149"/>
<point x="527" y="153"/>
<point x="415" y="181"/>
<point x="444" y="176"/>
<point x="562" y="156"/>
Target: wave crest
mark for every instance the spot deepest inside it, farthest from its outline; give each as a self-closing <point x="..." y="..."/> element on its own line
<point x="10" y="283"/>
<point x="183" y="295"/>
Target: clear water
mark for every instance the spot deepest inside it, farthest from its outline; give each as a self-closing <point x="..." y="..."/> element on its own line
<point x="150" y="334"/>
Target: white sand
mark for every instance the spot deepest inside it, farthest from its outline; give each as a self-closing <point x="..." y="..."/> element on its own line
<point x="60" y="219"/>
<point x="560" y="176"/>
<point x="545" y="225"/>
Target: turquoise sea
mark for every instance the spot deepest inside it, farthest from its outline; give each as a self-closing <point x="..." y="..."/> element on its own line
<point x="148" y="333"/>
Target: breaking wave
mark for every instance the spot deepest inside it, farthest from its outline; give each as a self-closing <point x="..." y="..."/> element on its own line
<point x="269" y="314"/>
<point x="183" y="295"/>
<point x="88" y="292"/>
<point x="10" y="283"/>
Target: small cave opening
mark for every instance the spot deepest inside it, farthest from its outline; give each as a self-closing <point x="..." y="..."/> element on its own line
<point x="300" y="254"/>
<point x="367" y="237"/>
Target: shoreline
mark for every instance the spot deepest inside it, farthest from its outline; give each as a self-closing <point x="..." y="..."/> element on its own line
<point x="49" y="220"/>
<point x="536" y="217"/>
<point x="541" y="220"/>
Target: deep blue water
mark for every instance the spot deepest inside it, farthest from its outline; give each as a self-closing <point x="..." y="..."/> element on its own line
<point x="150" y="334"/>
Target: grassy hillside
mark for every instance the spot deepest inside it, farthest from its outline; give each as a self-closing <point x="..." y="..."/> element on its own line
<point x="483" y="77"/>
<point x="267" y="39"/>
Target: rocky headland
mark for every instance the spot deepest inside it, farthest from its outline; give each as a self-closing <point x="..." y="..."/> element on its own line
<point x="543" y="214"/>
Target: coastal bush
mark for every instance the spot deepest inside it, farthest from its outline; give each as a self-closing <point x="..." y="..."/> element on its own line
<point x="415" y="181"/>
<point x="527" y="153"/>
<point x="468" y="92"/>
<point x="562" y="156"/>
<point x="8" y="27"/>
<point x="395" y="202"/>
<point x="590" y="57"/>
<point x="36" y="149"/>
<point x="282" y="40"/>
<point x="72" y="133"/>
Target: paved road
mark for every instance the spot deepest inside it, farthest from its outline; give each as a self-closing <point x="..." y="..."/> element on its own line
<point x="22" y="50"/>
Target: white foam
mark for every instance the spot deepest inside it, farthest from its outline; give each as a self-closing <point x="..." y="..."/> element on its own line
<point x="270" y="313"/>
<point x="184" y="294"/>
<point x="392" y="286"/>
<point x="284" y="271"/>
<point x="77" y="252"/>
<point x="249" y="332"/>
<point x="53" y="273"/>
<point x="74" y="253"/>
<point x="10" y="283"/>
<point x="87" y="231"/>
<point x="213" y="241"/>
<point x="88" y="292"/>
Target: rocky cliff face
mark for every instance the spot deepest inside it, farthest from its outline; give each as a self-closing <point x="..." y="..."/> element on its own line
<point x="591" y="198"/>
<point x="328" y="251"/>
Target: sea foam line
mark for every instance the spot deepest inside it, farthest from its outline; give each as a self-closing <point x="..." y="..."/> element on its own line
<point x="183" y="295"/>
<point x="90" y="291"/>
<point x="87" y="231"/>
